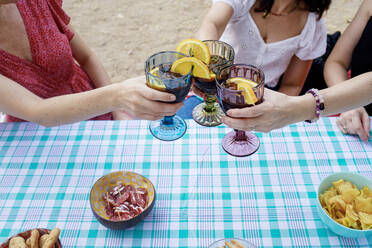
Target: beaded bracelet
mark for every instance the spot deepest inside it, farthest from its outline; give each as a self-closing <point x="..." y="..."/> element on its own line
<point x="319" y="100"/>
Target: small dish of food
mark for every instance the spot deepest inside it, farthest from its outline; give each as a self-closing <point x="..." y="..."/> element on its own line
<point x="35" y="238"/>
<point x="231" y="243"/>
<point x="122" y="199"/>
<point x="344" y="202"/>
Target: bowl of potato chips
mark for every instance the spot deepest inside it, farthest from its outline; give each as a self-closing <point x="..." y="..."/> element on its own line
<point x="345" y="204"/>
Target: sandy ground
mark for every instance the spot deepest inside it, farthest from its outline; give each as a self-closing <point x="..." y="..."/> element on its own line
<point x="125" y="32"/>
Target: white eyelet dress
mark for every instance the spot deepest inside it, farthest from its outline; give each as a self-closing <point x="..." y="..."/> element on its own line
<point x="244" y="36"/>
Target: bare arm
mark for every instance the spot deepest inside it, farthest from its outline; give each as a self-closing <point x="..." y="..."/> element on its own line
<point x="295" y="76"/>
<point x="355" y="121"/>
<point x="132" y="95"/>
<point x="279" y="110"/>
<point x="88" y="60"/>
<point x="349" y="94"/>
<point x="214" y="23"/>
<point x="338" y="62"/>
<point x="52" y="111"/>
<point x="92" y="65"/>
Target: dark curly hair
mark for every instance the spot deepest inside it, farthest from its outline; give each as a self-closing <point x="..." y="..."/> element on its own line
<point x="317" y="6"/>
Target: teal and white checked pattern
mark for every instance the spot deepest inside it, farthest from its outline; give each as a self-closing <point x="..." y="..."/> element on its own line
<point x="203" y="194"/>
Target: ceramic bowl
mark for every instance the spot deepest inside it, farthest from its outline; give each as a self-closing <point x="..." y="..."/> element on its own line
<point x="221" y="243"/>
<point x="106" y="183"/>
<point x="27" y="234"/>
<point x="359" y="181"/>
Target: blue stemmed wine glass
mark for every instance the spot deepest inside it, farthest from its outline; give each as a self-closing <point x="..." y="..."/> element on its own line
<point x="159" y="77"/>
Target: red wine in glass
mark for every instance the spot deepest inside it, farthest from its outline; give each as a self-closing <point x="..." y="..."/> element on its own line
<point x="239" y="143"/>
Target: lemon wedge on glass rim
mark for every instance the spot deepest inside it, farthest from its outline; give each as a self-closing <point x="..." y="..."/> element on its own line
<point x="246" y="86"/>
<point x="156" y="83"/>
<point x="195" y="48"/>
<point x="184" y="65"/>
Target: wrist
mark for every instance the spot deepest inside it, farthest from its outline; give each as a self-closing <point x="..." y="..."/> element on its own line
<point x="319" y="102"/>
<point x="114" y="96"/>
<point x="102" y="83"/>
<point x="303" y="107"/>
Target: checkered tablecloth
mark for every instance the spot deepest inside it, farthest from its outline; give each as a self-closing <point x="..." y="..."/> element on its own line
<point x="203" y="194"/>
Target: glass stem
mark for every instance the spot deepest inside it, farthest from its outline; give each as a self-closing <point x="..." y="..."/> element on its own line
<point x="209" y="103"/>
<point x="240" y="135"/>
<point x="167" y="120"/>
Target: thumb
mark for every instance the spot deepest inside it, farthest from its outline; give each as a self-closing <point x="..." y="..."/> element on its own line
<point x="357" y="124"/>
<point x="248" y="112"/>
<point x="157" y="95"/>
<point x="366" y="124"/>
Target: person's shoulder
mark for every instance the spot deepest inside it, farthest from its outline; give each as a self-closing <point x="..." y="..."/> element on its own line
<point x="236" y="2"/>
<point x="313" y="37"/>
<point x="313" y="24"/>
<point x="240" y="7"/>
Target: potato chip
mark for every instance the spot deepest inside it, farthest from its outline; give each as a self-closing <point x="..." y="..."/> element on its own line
<point x="366" y="192"/>
<point x="324" y="198"/>
<point x="365" y="220"/>
<point x="340" y="185"/>
<point x="337" y="204"/>
<point x="363" y="204"/>
<point x="348" y="205"/>
<point x="349" y="194"/>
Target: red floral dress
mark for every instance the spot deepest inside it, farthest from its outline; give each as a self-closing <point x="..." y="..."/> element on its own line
<point x="53" y="70"/>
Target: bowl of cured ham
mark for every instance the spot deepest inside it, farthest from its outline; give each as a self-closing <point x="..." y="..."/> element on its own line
<point x="122" y="199"/>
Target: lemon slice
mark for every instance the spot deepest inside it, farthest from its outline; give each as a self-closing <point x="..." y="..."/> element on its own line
<point x="156" y="83"/>
<point x="195" y="48"/>
<point x="246" y="86"/>
<point x="213" y="76"/>
<point x="155" y="71"/>
<point x="183" y="66"/>
<point x="240" y="80"/>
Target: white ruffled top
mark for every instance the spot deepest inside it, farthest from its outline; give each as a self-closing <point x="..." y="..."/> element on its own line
<point x="244" y="36"/>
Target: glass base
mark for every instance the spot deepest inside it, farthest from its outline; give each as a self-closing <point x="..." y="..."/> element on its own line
<point x="207" y="119"/>
<point x="168" y="131"/>
<point x="240" y="148"/>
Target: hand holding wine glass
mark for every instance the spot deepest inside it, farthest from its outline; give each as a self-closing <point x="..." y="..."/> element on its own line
<point x="142" y="102"/>
<point x="240" y="86"/>
<point x="161" y="76"/>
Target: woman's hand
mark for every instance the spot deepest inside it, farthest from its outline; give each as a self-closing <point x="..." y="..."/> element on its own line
<point x="142" y="102"/>
<point x="121" y="115"/>
<point x="355" y="121"/>
<point x="276" y="111"/>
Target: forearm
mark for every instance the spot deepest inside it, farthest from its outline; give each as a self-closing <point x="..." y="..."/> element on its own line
<point x="290" y="89"/>
<point x="88" y="60"/>
<point x="349" y="94"/>
<point x="341" y="97"/>
<point x="338" y="62"/>
<point x="72" y="108"/>
<point x="295" y="76"/>
<point x="214" y="23"/>
<point x="57" y="110"/>
<point x="334" y="73"/>
<point x="208" y="31"/>
<point x="95" y="70"/>
<point x="97" y="73"/>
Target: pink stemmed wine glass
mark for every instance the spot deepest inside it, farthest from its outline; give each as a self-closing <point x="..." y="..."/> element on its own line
<point x="239" y="143"/>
